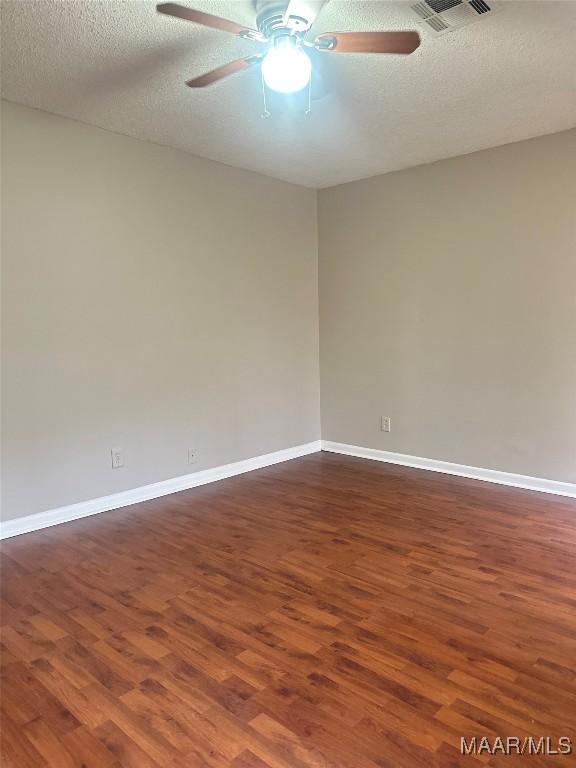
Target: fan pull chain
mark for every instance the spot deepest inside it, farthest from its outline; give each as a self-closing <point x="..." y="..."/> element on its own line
<point x="266" y="114"/>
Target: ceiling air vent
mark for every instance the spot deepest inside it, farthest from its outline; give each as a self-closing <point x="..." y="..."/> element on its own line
<point x="480" y="6"/>
<point x="422" y="10"/>
<point x="446" y="15"/>
<point x="437" y="24"/>
<point x="439" y="6"/>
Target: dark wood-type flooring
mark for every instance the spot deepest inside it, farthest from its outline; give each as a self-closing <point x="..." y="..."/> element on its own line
<point x="328" y="611"/>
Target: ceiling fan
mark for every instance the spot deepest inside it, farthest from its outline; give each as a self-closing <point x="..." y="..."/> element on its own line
<point x="282" y="28"/>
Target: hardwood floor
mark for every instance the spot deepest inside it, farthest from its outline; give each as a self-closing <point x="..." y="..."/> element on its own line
<point x="328" y="611"/>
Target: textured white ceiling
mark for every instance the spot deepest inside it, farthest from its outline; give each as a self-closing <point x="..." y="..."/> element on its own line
<point x="122" y="66"/>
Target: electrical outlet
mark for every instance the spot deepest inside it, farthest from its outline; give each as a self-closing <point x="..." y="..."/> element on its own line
<point x="191" y="456"/>
<point x="385" y="424"/>
<point x="117" y="458"/>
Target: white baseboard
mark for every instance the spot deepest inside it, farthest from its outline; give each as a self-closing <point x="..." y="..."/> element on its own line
<point x="155" y="490"/>
<point x="152" y="491"/>
<point x="475" y="473"/>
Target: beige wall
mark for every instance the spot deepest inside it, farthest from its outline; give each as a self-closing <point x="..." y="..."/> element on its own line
<point x="448" y="302"/>
<point x="151" y="301"/>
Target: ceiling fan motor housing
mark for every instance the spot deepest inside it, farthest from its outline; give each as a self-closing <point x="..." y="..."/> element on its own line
<point x="271" y="22"/>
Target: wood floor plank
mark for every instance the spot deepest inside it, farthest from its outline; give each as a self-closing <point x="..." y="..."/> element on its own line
<point x="328" y="612"/>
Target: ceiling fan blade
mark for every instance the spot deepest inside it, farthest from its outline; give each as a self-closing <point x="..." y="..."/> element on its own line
<point x="224" y="71"/>
<point x="303" y="9"/>
<point x="206" y="19"/>
<point x="367" y="42"/>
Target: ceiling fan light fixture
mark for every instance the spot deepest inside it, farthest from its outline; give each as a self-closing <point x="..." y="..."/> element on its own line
<point x="282" y="26"/>
<point x="286" y="68"/>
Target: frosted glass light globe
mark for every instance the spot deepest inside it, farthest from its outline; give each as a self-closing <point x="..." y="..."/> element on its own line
<point x="286" y="68"/>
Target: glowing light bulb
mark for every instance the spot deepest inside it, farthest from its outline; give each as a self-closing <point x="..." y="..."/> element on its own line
<point x="286" y="68"/>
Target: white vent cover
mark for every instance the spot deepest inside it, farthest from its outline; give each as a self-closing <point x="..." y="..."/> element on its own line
<point x="445" y="15"/>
